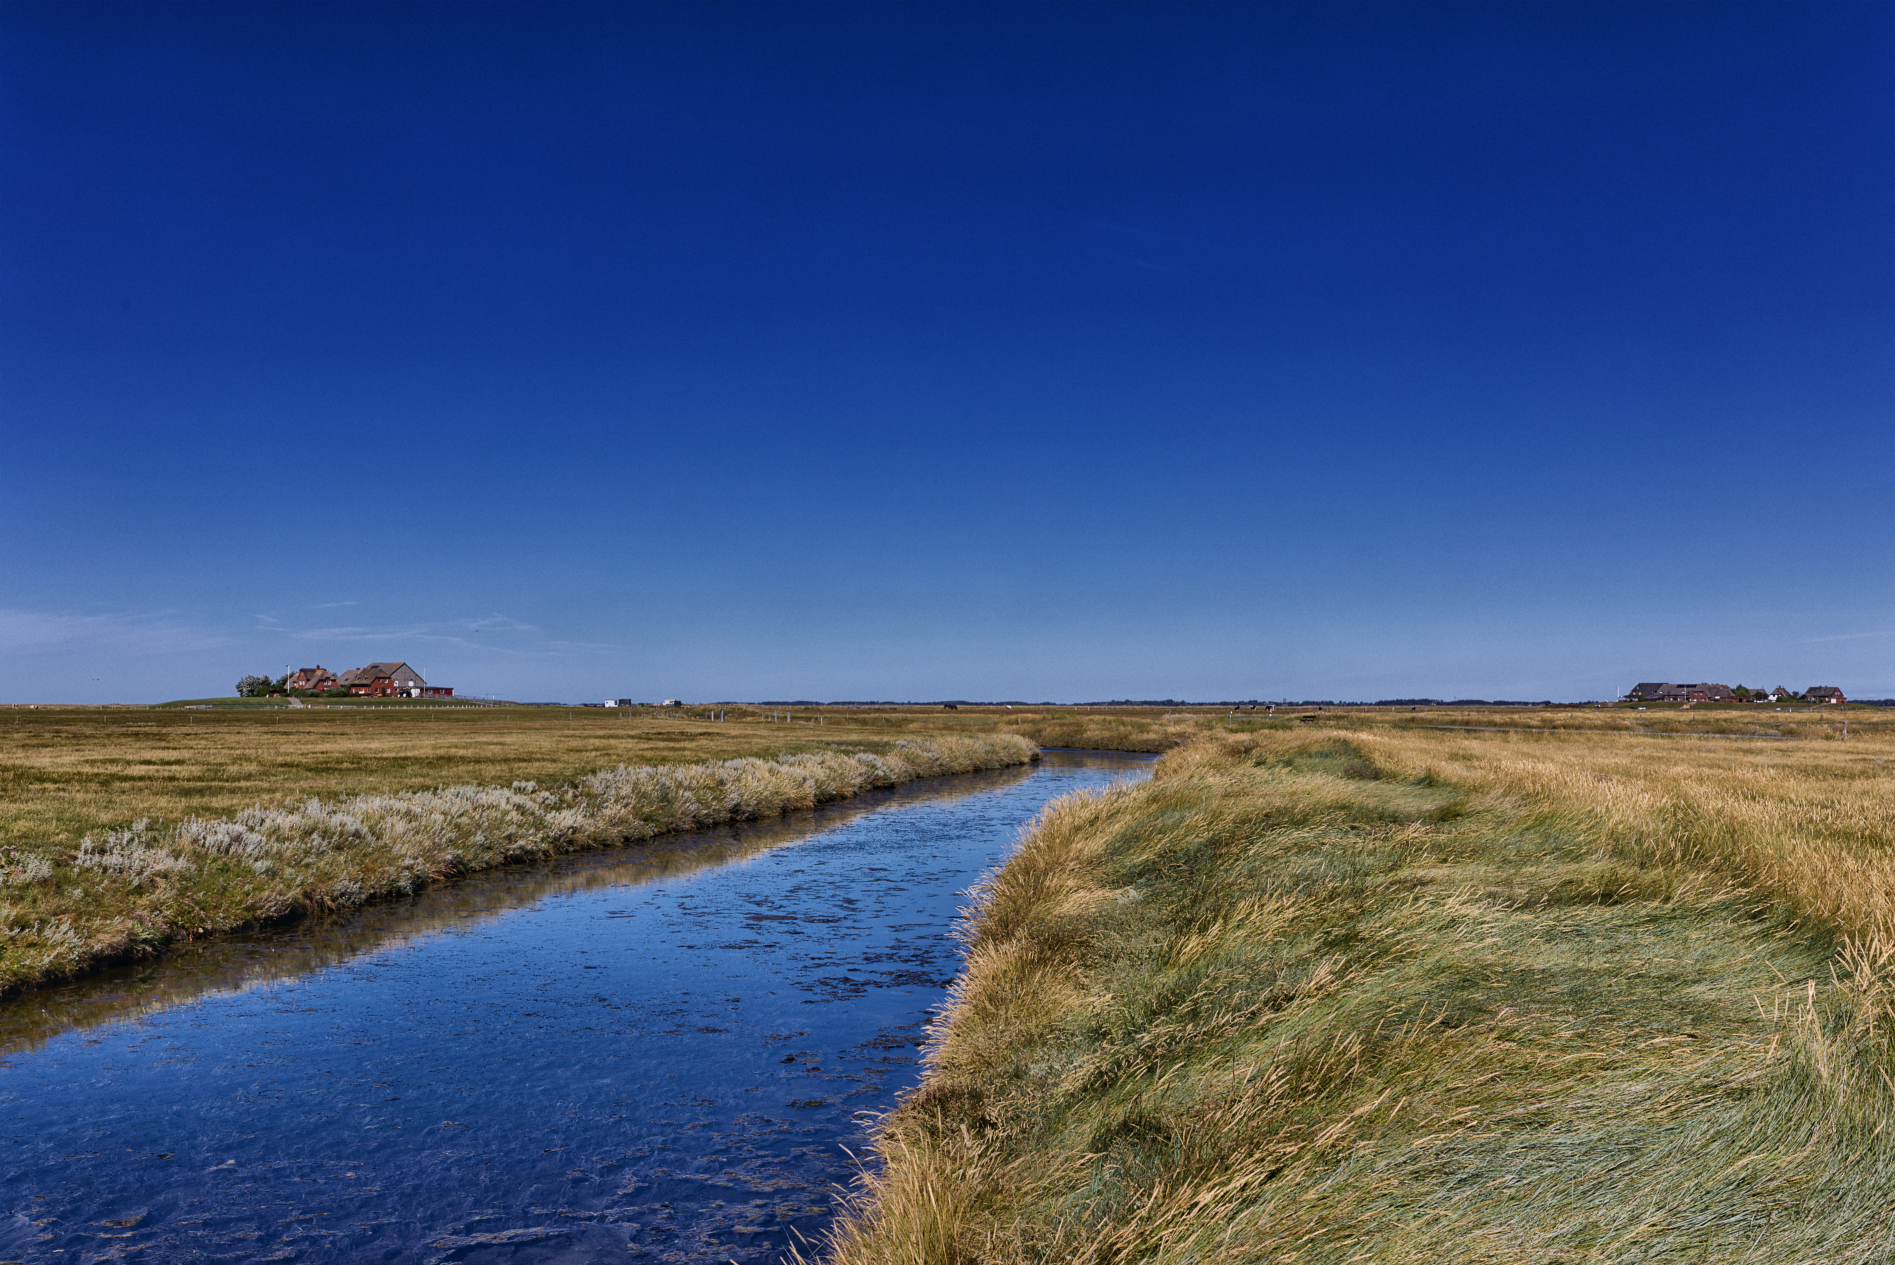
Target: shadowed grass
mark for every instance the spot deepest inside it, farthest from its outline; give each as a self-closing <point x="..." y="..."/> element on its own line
<point x="1404" y="998"/>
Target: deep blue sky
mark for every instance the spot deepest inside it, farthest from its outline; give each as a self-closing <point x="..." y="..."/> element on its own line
<point x="983" y="350"/>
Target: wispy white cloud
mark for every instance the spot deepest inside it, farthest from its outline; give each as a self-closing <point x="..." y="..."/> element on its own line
<point x="28" y="632"/>
<point x="514" y="637"/>
<point x="503" y="623"/>
<point x="1810" y="641"/>
<point x="325" y="606"/>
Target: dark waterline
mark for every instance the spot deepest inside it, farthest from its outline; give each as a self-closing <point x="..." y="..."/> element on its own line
<point x="659" y="1054"/>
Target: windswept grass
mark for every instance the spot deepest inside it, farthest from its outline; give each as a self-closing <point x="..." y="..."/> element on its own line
<point x="1398" y="997"/>
<point x="132" y="890"/>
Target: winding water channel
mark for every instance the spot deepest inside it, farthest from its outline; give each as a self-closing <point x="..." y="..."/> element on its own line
<point x="660" y="1054"/>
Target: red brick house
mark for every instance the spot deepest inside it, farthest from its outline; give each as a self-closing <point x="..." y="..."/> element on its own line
<point x="391" y="680"/>
<point x="316" y="678"/>
<point x="1824" y="694"/>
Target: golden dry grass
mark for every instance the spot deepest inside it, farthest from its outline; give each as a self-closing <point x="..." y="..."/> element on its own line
<point x="1808" y="822"/>
<point x="131" y="889"/>
<point x="1406" y="996"/>
<point x="68" y="772"/>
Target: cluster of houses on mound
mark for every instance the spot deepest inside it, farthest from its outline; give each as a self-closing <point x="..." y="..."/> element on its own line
<point x="1705" y="692"/>
<point x="377" y="680"/>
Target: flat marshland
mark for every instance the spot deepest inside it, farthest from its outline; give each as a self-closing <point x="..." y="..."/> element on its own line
<point x="68" y="772"/>
<point x="1358" y="991"/>
<point x="123" y="831"/>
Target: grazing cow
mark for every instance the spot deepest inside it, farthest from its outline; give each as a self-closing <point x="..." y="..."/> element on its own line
<point x="950" y="707"/>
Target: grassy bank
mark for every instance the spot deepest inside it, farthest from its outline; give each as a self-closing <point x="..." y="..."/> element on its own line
<point x="1410" y="996"/>
<point x="131" y="891"/>
<point x="69" y="772"/>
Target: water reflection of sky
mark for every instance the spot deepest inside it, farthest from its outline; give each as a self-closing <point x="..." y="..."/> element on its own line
<point x="657" y="1056"/>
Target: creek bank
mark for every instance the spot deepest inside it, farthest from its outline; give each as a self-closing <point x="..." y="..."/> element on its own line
<point x="1285" y="1003"/>
<point x="666" y="1051"/>
<point x="142" y="888"/>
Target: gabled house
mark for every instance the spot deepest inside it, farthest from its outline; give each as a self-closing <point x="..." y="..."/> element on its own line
<point x="383" y="680"/>
<point x="1824" y="694"/>
<point x="316" y="678"/>
<point x="391" y="680"/>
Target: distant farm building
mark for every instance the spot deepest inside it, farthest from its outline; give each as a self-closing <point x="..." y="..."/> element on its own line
<point x="312" y="679"/>
<point x="390" y="680"/>
<point x="1705" y="692"/>
<point x="1666" y="692"/>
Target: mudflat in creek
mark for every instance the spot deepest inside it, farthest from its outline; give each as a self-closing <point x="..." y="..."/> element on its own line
<point x="661" y="1054"/>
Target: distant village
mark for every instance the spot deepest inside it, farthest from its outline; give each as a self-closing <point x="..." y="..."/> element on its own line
<point x="1705" y="692"/>
<point x="377" y="680"/>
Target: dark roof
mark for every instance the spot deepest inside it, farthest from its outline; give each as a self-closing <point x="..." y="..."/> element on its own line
<point x="364" y="675"/>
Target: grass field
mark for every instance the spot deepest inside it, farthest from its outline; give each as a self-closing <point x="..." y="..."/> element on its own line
<point x="69" y="772"/>
<point x="1367" y="992"/>
<point x="123" y="831"/>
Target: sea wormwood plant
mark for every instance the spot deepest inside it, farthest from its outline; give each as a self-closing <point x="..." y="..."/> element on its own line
<point x="1303" y="1000"/>
<point x="19" y="867"/>
<point x="268" y="863"/>
<point x="130" y="855"/>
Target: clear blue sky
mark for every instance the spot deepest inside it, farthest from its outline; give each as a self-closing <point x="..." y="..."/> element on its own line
<point x="910" y="350"/>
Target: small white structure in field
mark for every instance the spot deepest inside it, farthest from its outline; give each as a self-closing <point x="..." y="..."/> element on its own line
<point x="672" y="702"/>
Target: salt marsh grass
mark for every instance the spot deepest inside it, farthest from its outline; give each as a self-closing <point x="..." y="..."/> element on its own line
<point x="1412" y="997"/>
<point x="69" y="772"/>
<point x="133" y="890"/>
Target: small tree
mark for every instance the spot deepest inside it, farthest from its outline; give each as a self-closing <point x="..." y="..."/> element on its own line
<point x="253" y="687"/>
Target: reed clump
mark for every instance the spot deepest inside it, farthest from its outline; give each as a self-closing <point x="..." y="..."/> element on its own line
<point x="1414" y="998"/>
<point x="131" y="891"/>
